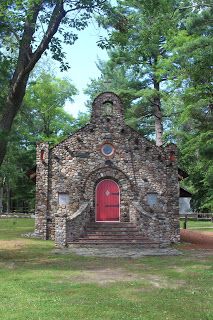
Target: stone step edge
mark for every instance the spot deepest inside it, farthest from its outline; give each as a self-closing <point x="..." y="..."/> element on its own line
<point x="110" y="236"/>
<point x="102" y="234"/>
<point x="116" y="225"/>
<point x="123" y="244"/>
<point x="111" y="227"/>
<point x="113" y="231"/>
<point x="113" y="241"/>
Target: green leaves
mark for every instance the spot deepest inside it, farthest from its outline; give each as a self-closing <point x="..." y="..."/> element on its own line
<point x="44" y="101"/>
<point x="42" y="118"/>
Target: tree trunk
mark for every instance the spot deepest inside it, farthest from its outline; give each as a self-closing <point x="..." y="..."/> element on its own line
<point x="158" y="116"/>
<point x="1" y="199"/>
<point x="25" y="64"/>
<point x="10" y="109"/>
<point x="8" y="199"/>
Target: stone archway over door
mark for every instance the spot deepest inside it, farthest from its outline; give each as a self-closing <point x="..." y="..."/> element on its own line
<point x="107" y="201"/>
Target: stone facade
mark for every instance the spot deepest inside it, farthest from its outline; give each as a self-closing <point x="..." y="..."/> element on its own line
<point x="68" y="173"/>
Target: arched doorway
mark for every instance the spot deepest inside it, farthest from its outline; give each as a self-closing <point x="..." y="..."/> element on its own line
<point x="107" y="201"/>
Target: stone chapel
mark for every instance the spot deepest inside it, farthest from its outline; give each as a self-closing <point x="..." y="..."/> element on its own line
<point x="107" y="184"/>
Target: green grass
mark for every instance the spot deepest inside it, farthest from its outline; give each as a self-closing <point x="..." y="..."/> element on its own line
<point x="36" y="283"/>
<point x="198" y="225"/>
<point x="12" y="228"/>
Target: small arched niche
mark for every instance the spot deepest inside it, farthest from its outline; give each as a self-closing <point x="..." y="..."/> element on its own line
<point x="107" y="108"/>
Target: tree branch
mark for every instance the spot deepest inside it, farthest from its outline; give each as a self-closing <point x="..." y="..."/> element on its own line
<point x="25" y="51"/>
<point x="197" y="5"/>
<point x="57" y="15"/>
<point x="153" y="103"/>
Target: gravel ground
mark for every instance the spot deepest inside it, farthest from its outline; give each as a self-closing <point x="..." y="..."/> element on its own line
<point x="114" y="252"/>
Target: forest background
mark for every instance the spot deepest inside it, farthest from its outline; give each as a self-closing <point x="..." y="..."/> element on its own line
<point x="160" y="64"/>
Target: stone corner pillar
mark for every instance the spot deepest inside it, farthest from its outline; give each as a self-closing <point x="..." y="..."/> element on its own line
<point x="42" y="189"/>
<point x="171" y="152"/>
<point x="61" y="230"/>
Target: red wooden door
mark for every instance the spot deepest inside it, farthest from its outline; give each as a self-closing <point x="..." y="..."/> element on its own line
<point x="107" y="201"/>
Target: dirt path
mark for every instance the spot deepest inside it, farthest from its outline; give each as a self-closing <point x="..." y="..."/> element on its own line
<point x="196" y="239"/>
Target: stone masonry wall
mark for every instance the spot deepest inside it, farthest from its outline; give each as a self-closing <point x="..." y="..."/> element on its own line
<point x="145" y="173"/>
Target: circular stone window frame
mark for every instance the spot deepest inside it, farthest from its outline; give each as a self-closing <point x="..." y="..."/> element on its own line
<point x="110" y="154"/>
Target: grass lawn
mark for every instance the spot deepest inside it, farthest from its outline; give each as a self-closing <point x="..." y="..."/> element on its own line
<point x="37" y="284"/>
<point x="198" y="225"/>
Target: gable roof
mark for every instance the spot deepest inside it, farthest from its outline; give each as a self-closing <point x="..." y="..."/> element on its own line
<point x="185" y="193"/>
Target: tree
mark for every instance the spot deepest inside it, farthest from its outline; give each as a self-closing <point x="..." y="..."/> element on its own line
<point x="140" y="30"/>
<point x="43" y="107"/>
<point x="28" y="28"/>
<point x="141" y="33"/>
<point x="41" y="117"/>
<point x="190" y="65"/>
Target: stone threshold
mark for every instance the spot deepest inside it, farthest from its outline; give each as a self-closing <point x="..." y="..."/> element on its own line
<point x="115" y="252"/>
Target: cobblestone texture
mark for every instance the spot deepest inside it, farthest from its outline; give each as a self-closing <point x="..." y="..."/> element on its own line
<point x="73" y="168"/>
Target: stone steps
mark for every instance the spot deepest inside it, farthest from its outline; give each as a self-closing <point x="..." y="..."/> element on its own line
<point x="114" y="237"/>
<point x="106" y="225"/>
<point x="115" y="227"/>
<point x="96" y="243"/>
<point x="118" y="233"/>
<point x="111" y="233"/>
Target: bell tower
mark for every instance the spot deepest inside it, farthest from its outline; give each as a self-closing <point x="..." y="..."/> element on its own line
<point x="108" y="106"/>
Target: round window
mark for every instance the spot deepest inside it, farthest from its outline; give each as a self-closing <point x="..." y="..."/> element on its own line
<point x="107" y="149"/>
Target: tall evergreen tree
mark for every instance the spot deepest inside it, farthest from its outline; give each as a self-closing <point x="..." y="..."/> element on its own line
<point x="190" y="65"/>
<point x="140" y="30"/>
